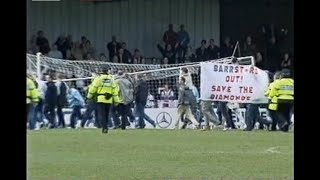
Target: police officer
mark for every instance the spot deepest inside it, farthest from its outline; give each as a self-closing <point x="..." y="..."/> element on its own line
<point x="105" y="91"/>
<point x="273" y="102"/>
<point x="32" y="100"/>
<point x="283" y="90"/>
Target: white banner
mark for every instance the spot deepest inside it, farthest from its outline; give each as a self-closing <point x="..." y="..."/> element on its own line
<point x="233" y="83"/>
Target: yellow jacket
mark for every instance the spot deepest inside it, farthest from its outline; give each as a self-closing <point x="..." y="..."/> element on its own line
<point x="103" y="89"/>
<point x="32" y="92"/>
<point x="273" y="105"/>
<point x="283" y="89"/>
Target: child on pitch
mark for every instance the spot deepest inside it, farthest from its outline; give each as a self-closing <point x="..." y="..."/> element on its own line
<point x="77" y="102"/>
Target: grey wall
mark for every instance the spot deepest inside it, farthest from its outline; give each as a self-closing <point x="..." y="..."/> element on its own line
<point x="140" y="23"/>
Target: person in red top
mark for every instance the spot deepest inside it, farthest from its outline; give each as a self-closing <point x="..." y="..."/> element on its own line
<point x="170" y="37"/>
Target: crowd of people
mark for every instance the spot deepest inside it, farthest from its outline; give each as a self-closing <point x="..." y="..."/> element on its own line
<point x="268" y="46"/>
<point x="110" y="99"/>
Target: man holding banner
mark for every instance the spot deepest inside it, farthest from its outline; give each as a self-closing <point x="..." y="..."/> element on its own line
<point x="232" y="83"/>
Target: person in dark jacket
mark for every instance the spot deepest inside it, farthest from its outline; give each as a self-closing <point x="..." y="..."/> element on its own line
<point x="201" y="52"/>
<point x="213" y="51"/>
<point x="113" y="47"/>
<point x="226" y="49"/>
<point x="141" y="96"/>
<point x="51" y="97"/>
<point x="62" y="90"/>
<point x="184" y="104"/>
<point x="183" y="39"/>
<point x="169" y="52"/>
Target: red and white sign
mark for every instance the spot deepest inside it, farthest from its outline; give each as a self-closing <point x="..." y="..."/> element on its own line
<point x="233" y="83"/>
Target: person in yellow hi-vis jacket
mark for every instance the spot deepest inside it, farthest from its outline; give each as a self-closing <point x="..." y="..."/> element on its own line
<point x="283" y="89"/>
<point x="273" y="102"/>
<point x="105" y="92"/>
<point x="32" y="100"/>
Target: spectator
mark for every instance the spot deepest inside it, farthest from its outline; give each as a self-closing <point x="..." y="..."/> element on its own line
<point x="43" y="43"/>
<point x="90" y="57"/>
<point x="115" y="59"/>
<point x="165" y="61"/>
<point x="83" y="42"/>
<point x="32" y="45"/>
<point x="125" y="97"/>
<point x="168" y="52"/>
<point x="62" y="90"/>
<point x="154" y="61"/>
<point x="273" y="62"/>
<point x="55" y="53"/>
<point x="190" y="56"/>
<point x="201" y="52"/>
<point x="50" y="101"/>
<point x="249" y="48"/>
<point x="126" y="52"/>
<point x="123" y="58"/>
<point x="113" y="47"/>
<point x="184" y="103"/>
<point x="182" y="44"/>
<point x="226" y="48"/>
<point x="76" y="101"/>
<point x="135" y="61"/>
<point x="259" y="61"/>
<point x="103" y="57"/>
<point x="170" y="37"/>
<point x="150" y="101"/>
<point x="89" y="49"/>
<point x="286" y="62"/>
<point x="141" y="96"/>
<point x="143" y="61"/>
<point x="77" y="52"/>
<point x="213" y="50"/>
<point x="69" y="55"/>
<point x="166" y="94"/>
<point x="137" y="55"/>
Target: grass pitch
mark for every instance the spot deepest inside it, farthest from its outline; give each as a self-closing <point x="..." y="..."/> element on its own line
<point x="159" y="154"/>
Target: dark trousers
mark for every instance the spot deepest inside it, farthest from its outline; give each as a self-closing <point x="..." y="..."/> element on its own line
<point x="76" y="113"/>
<point x="103" y="113"/>
<point x="274" y="117"/>
<point x="115" y="116"/>
<point x="222" y="106"/>
<point x="124" y="113"/>
<point x="91" y="108"/>
<point x="143" y="116"/>
<point x="50" y="114"/>
<point x="283" y="114"/>
<point x="181" y="53"/>
<point x="30" y="111"/>
<point x="252" y="115"/>
<point x="60" y="114"/>
<point x="38" y="112"/>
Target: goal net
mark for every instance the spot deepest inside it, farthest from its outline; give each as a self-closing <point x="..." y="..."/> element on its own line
<point x="159" y="77"/>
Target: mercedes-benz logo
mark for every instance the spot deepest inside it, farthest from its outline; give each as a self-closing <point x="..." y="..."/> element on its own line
<point x="164" y="120"/>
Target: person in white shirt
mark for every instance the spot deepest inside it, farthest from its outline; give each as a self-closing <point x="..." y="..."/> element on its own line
<point x="187" y="76"/>
<point x="167" y="96"/>
<point x="150" y="101"/>
<point x="55" y="53"/>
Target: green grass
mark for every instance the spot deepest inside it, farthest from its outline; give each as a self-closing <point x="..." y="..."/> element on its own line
<point x="159" y="154"/>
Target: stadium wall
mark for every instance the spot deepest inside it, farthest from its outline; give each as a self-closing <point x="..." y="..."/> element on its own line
<point x="140" y="23"/>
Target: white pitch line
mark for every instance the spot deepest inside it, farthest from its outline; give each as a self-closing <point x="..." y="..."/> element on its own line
<point x="272" y="150"/>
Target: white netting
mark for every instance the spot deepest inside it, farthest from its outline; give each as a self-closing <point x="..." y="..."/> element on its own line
<point x="156" y="75"/>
